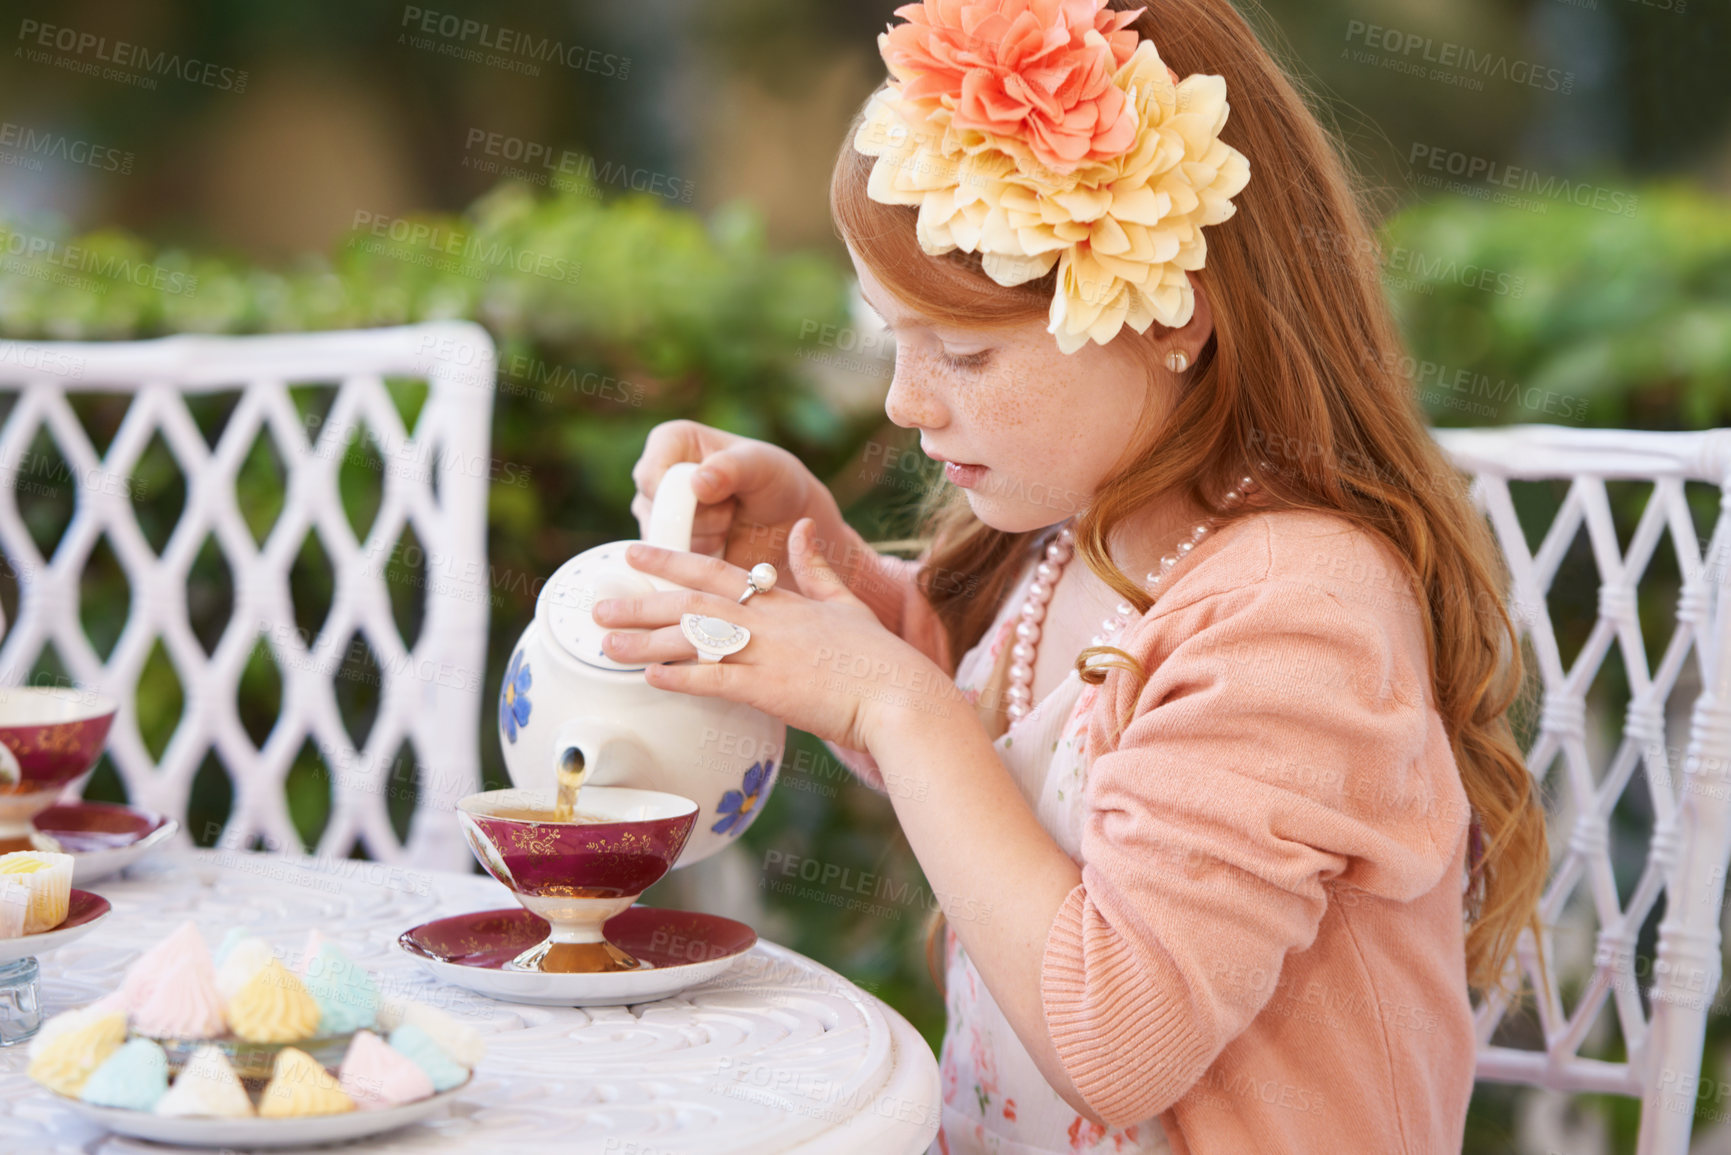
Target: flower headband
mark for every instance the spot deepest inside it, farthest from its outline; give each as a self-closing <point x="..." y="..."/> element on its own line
<point x="1042" y="132"/>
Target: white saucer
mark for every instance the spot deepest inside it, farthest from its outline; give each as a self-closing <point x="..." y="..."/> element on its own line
<point x="472" y="951"/>
<point x="104" y="838"/>
<point x="96" y="865"/>
<point x="257" y="1132"/>
<point x="612" y="989"/>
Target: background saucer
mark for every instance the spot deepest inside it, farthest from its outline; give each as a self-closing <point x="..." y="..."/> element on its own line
<point x="83" y="911"/>
<point x="684" y="948"/>
<point x="104" y="837"/>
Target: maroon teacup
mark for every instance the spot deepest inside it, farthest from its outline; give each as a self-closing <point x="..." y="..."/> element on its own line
<point x="49" y="736"/>
<point x="581" y="873"/>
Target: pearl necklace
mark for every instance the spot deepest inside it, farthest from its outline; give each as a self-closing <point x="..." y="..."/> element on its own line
<point x="1020" y="693"/>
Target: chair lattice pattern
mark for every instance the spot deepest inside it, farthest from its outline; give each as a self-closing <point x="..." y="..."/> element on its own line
<point x="1686" y="852"/>
<point x="428" y="692"/>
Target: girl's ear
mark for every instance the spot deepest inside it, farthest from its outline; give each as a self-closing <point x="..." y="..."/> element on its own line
<point x="1194" y="334"/>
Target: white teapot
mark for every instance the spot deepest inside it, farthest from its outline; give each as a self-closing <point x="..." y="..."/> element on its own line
<point x="563" y="698"/>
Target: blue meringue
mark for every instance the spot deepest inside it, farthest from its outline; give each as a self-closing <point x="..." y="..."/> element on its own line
<point x="134" y="1077"/>
<point x="348" y="998"/>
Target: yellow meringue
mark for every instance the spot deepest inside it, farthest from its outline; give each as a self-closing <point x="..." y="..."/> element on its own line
<point x="299" y="1086"/>
<point x="273" y="1007"/>
<point x="67" y="1060"/>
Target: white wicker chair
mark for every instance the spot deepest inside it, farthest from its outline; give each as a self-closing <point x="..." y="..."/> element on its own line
<point x="429" y="694"/>
<point x="1688" y="788"/>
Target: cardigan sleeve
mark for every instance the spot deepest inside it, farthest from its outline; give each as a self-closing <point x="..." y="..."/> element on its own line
<point x="920" y="627"/>
<point x="1284" y="744"/>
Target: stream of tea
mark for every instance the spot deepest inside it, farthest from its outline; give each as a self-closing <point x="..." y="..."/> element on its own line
<point x="570" y="774"/>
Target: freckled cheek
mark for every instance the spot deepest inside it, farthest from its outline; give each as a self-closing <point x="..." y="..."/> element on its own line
<point x="1005" y="403"/>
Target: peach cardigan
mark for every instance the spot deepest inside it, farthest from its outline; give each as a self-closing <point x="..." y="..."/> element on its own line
<point x="1266" y="947"/>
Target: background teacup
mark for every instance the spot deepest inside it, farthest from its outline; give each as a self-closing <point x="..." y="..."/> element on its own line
<point x="49" y="736"/>
<point x="577" y="874"/>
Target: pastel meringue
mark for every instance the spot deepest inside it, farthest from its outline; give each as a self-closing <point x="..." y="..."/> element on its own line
<point x="456" y="1038"/>
<point x="56" y="1025"/>
<point x="48" y="877"/>
<point x="134" y="1077"/>
<point x="206" y="1087"/>
<point x="299" y="1086"/>
<point x="376" y="1075"/>
<point x="347" y="996"/>
<point x="234" y="936"/>
<point x="273" y="1007"/>
<point x="184" y="1003"/>
<point x="163" y="959"/>
<point x="309" y="952"/>
<point x="418" y="1045"/>
<point x="68" y="1058"/>
<point x="243" y="960"/>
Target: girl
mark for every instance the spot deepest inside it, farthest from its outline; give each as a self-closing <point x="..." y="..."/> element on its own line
<point x="1226" y="818"/>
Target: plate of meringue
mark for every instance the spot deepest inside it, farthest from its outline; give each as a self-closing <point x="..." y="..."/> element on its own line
<point x="235" y="1049"/>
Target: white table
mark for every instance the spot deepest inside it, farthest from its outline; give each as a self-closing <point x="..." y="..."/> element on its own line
<point x="778" y="1055"/>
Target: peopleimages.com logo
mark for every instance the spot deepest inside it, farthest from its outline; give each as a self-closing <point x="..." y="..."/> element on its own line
<point x="1432" y="165"/>
<point x="124" y="61"/>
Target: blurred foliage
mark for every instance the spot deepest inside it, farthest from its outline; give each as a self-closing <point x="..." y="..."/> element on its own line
<point x="668" y="314"/>
<point x="1570" y="316"/>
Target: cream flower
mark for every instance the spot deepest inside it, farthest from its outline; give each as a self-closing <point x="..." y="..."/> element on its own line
<point x="1122" y="230"/>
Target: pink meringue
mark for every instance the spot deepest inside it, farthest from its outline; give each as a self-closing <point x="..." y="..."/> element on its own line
<point x="161" y="960"/>
<point x="374" y="1075"/>
<point x="315" y="940"/>
<point x="183" y="1003"/>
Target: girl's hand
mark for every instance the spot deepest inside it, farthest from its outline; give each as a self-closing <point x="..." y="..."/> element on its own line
<point x="818" y="658"/>
<point x="749" y="493"/>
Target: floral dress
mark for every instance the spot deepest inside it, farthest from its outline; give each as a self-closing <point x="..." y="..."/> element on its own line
<point x="995" y="1098"/>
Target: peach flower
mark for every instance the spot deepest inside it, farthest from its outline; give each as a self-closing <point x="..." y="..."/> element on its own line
<point x="1040" y="70"/>
<point x="1123" y="231"/>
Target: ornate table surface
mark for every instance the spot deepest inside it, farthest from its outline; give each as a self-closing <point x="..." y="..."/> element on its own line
<point x="779" y="1054"/>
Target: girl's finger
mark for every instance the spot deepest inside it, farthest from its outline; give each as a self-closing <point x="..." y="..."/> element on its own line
<point x="705" y="679"/>
<point x="664" y="607"/>
<point x="817" y="579"/>
<point x="694" y="571"/>
<point x="666" y="644"/>
<point x="741" y="469"/>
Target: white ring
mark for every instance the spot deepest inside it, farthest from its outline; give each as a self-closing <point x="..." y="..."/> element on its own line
<point x="713" y="638"/>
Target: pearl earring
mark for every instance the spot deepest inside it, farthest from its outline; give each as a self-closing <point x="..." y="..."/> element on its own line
<point x="1177" y="361"/>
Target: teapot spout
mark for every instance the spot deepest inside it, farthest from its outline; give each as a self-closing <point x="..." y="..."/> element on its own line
<point x="598" y="753"/>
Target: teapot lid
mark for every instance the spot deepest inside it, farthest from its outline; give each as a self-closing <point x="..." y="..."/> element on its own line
<point x="565" y="608"/>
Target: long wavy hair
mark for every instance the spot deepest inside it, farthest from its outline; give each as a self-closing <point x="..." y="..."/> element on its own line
<point x="1301" y="385"/>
